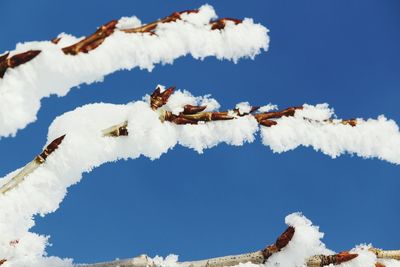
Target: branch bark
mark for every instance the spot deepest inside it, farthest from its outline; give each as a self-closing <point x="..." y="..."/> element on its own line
<point x="257" y="257"/>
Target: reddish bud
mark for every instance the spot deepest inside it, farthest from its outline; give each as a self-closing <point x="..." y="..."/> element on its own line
<point x="220" y="23"/>
<point x="50" y="149"/>
<point x="16" y="60"/>
<point x="268" y="123"/>
<point x="189" y="11"/>
<point x="343" y="257"/>
<point x="189" y="109"/>
<point x="254" y="109"/>
<point x="351" y="122"/>
<point x="93" y="41"/>
<point x="285" y="238"/>
<point x="56" y="40"/>
<point x="158" y="99"/>
<point x="218" y="116"/>
<point x="22" y="58"/>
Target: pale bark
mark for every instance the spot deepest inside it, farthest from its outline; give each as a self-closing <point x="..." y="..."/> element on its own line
<point x="253" y="257"/>
<point x="113" y="131"/>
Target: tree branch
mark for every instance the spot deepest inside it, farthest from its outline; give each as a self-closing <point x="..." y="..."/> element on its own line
<point x="97" y="38"/>
<point x="189" y="115"/>
<point x="257" y="257"/>
<point x="193" y="115"/>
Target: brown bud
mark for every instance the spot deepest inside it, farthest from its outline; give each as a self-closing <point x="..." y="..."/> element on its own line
<point x="93" y="41"/>
<point x="378" y="264"/>
<point x="289" y="112"/>
<point x="150" y="27"/>
<point x="22" y="58"/>
<point x="268" y="123"/>
<point x="158" y="99"/>
<point x="49" y="149"/>
<point x="189" y="11"/>
<point x="280" y="243"/>
<point x="254" y="109"/>
<point x="56" y="40"/>
<point x="285" y="237"/>
<point x="344" y="256"/>
<point x="3" y="64"/>
<point x="337" y="258"/>
<point x="220" y="23"/>
<point x="351" y="122"/>
<point x="220" y="116"/>
<point x="189" y="109"/>
<point x="2" y="261"/>
<point x="16" y="60"/>
<point x="4" y="57"/>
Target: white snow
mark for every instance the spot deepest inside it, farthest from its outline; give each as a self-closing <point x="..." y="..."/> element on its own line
<point x="43" y="190"/>
<point x="53" y="72"/>
<point x="371" y="138"/>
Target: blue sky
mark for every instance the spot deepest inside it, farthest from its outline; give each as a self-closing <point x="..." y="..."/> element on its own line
<point x="229" y="199"/>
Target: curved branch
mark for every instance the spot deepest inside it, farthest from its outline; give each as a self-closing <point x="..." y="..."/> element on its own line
<point x="190" y="115"/>
<point x="98" y="37"/>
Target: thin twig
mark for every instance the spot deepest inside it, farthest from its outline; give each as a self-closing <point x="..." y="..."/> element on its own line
<point x="113" y="131"/>
<point x="257" y="257"/>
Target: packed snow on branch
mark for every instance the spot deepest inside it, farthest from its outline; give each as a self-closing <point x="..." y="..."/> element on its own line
<point x="43" y="189"/>
<point x="54" y="72"/>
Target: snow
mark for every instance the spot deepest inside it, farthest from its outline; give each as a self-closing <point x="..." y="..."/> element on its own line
<point x="54" y="73"/>
<point x="43" y="190"/>
<point x="372" y="138"/>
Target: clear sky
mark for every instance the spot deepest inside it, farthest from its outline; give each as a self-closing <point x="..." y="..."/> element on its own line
<point x="229" y="199"/>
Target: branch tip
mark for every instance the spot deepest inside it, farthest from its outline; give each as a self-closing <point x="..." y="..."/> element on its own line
<point x="159" y="99"/>
<point x="280" y="243"/>
<point x="16" y="60"/>
<point x="41" y="158"/>
<point x="92" y="41"/>
<point x="220" y="24"/>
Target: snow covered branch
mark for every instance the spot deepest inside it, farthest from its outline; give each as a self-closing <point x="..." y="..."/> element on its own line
<point x="54" y="67"/>
<point x="259" y="257"/>
<point x="152" y="127"/>
<point x="190" y="115"/>
<point x="256" y="257"/>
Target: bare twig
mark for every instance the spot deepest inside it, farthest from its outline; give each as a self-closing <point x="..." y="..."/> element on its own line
<point x="386" y="254"/>
<point x="113" y="131"/>
<point x="257" y="257"/>
<point x="31" y="166"/>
